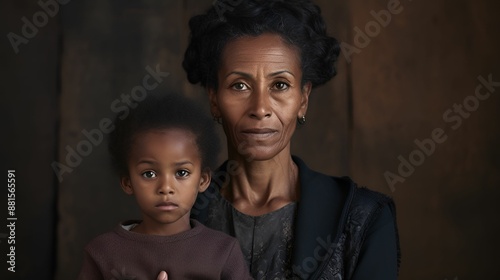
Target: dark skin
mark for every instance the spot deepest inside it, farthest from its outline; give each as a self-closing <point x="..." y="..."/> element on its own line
<point x="259" y="98"/>
<point x="165" y="165"/>
<point x="165" y="176"/>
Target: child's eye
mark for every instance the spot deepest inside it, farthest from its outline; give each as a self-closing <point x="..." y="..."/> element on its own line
<point x="281" y="86"/>
<point x="182" y="173"/>
<point x="149" y="174"/>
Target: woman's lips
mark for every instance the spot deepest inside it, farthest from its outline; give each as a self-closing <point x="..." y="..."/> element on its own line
<point x="259" y="132"/>
<point x="167" y="206"/>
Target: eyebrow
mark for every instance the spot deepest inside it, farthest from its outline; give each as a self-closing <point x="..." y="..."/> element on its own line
<point x="147" y="161"/>
<point x="183" y="163"/>
<point x="246" y="75"/>
<point x="280" y="72"/>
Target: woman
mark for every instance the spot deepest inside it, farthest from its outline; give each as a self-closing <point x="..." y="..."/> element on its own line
<point x="259" y="62"/>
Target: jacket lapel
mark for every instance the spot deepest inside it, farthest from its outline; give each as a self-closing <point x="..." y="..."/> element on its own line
<point x="320" y="211"/>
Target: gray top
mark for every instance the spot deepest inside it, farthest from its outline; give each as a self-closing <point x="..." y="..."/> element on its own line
<point x="266" y="240"/>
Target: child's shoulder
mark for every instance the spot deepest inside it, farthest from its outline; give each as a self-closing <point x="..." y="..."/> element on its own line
<point x="217" y="245"/>
<point x="108" y="239"/>
<point x="103" y="240"/>
<point x="212" y="235"/>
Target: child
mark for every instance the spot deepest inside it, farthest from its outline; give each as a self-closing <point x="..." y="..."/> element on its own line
<point x="163" y="151"/>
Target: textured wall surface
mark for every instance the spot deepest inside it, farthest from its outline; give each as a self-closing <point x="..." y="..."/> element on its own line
<point x="29" y="95"/>
<point x="412" y="113"/>
<point x="417" y="81"/>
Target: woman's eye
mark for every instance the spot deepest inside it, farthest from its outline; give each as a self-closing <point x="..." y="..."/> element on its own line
<point x="239" y="86"/>
<point x="281" y="86"/>
<point x="182" y="173"/>
<point x="149" y="174"/>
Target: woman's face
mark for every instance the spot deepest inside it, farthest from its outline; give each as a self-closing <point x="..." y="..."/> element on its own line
<point x="259" y="95"/>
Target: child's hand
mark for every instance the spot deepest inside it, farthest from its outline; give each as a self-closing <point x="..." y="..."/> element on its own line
<point x="162" y="276"/>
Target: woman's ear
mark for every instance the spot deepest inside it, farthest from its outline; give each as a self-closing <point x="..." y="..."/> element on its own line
<point x="126" y="185"/>
<point x="206" y="176"/>
<point x="214" y="107"/>
<point x="306" y="91"/>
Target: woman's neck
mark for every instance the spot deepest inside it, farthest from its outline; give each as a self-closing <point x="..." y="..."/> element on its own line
<point x="258" y="187"/>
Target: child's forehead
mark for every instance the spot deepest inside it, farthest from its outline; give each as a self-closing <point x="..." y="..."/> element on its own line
<point x="164" y="133"/>
<point x="151" y="141"/>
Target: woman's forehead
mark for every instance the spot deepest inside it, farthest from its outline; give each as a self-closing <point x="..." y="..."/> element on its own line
<point x="265" y="49"/>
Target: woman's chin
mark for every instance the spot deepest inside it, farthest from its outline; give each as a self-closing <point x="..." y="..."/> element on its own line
<point x="259" y="153"/>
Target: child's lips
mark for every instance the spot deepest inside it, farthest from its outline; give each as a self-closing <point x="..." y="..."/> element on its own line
<point x="167" y="206"/>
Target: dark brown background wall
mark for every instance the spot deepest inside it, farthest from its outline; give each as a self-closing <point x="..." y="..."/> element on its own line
<point x="396" y="86"/>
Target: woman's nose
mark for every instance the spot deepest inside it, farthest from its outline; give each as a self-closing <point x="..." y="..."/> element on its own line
<point x="261" y="104"/>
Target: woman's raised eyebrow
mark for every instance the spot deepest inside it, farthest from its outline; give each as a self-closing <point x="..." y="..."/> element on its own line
<point x="246" y="75"/>
<point x="280" y="72"/>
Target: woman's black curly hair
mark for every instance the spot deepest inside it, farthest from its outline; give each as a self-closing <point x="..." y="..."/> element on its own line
<point x="298" y="22"/>
<point x="163" y="112"/>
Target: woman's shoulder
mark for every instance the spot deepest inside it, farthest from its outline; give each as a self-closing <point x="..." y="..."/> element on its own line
<point x="343" y="197"/>
<point x="342" y="184"/>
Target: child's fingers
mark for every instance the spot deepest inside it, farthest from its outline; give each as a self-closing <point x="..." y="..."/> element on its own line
<point x="162" y="276"/>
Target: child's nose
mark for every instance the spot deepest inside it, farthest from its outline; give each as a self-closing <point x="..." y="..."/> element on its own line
<point x="165" y="187"/>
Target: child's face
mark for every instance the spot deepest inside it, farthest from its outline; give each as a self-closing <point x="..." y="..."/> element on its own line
<point x="165" y="176"/>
